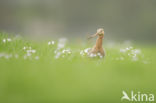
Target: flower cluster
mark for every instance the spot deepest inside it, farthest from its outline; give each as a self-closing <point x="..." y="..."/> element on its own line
<point x="134" y="54"/>
<point x="60" y="51"/>
<point x="29" y="52"/>
<point x="8" y="56"/>
<point x="85" y="52"/>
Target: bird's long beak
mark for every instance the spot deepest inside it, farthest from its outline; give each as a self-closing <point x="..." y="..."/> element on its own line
<point x="94" y="35"/>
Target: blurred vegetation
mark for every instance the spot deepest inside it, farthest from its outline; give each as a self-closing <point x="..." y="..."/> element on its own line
<point x="121" y="19"/>
<point x="72" y="79"/>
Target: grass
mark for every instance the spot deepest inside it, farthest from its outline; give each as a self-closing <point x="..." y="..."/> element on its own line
<point x="41" y="78"/>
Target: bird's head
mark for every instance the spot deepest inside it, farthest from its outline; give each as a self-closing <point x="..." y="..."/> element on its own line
<point x="100" y="33"/>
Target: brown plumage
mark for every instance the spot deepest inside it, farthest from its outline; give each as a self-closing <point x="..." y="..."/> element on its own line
<point x="97" y="48"/>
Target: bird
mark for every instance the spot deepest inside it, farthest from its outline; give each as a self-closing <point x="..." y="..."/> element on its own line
<point x="97" y="48"/>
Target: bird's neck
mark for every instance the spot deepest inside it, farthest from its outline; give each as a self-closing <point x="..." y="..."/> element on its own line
<point x="99" y="41"/>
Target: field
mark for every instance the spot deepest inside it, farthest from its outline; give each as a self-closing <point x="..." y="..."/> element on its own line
<point x="59" y="71"/>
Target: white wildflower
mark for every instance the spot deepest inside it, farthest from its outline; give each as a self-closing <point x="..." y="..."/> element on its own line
<point x="33" y="51"/>
<point x="91" y="55"/>
<point x="52" y="42"/>
<point x="56" y="51"/>
<point x="49" y="43"/>
<point x="127" y="48"/>
<point x="82" y="52"/>
<point x="87" y="50"/>
<point x="66" y="51"/>
<point x="9" y="40"/>
<point x="4" y="40"/>
<point x="63" y="51"/>
<point x="24" y="48"/>
<point x="101" y="56"/>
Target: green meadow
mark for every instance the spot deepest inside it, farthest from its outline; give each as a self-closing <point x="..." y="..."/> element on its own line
<point x="61" y="72"/>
